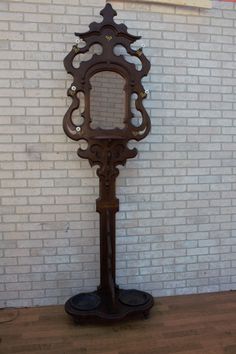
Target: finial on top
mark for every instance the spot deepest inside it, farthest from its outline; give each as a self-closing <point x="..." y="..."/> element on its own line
<point x="108" y="11"/>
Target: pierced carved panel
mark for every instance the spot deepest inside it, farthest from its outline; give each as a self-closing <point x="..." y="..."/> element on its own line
<point x="106" y="50"/>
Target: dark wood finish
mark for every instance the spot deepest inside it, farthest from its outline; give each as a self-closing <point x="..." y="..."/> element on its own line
<point x="107" y="148"/>
<point x="193" y="324"/>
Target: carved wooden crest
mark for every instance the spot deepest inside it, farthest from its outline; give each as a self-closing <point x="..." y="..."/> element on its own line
<point x="108" y="34"/>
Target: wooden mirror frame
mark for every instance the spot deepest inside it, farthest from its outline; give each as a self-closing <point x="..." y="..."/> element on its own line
<point x="107" y="148"/>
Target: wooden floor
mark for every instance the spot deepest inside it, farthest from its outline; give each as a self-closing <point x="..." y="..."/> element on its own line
<point x="195" y="324"/>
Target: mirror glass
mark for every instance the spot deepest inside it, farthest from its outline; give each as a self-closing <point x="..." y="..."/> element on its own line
<point x="107" y="100"/>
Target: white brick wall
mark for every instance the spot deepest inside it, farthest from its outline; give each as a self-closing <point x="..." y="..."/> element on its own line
<point x="176" y="227"/>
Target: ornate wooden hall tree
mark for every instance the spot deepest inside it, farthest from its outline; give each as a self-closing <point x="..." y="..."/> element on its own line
<point x="107" y="148"/>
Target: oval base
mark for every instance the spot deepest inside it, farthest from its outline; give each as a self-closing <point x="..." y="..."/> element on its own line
<point x="88" y="307"/>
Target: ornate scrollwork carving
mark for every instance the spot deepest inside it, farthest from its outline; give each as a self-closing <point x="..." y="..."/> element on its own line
<point x="108" y="34"/>
<point x="107" y="154"/>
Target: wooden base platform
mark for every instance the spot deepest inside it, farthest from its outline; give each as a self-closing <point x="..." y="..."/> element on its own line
<point x="194" y="324"/>
<point x="95" y="307"/>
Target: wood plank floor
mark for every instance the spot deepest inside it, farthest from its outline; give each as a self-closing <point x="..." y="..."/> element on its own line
<point x="194" y="324"/>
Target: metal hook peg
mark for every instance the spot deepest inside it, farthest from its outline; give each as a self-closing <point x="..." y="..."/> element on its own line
<point x="76" y="48"/>
<point x="73" y="88"/>
<point x="139" y="52"/>
<point x="142" y="45"/>
<point x="78" y="40"/>
<point x="78" y="129"/>
<point x="147" y="92"/>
